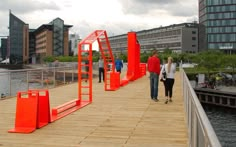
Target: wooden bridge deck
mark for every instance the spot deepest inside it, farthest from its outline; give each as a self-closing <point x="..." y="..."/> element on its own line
<point x="123" y="118"/>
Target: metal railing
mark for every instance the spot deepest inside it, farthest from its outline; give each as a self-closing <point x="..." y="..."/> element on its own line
<point x="200" y="131"/>
<point x="13" y="81"/>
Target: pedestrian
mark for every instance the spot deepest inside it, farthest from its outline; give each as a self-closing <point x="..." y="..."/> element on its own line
<point x="86" y="67"/>
<point x="154" y="71"/>
<point x="118" y="64"/>
<point x="101" y="69"/>
<point x="170" y="69"/>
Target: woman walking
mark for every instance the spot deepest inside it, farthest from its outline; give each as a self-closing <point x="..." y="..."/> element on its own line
<point x="170" y="69"/>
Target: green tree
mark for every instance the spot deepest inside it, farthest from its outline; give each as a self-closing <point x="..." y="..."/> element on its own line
<point x="229" y="61"/>
<point x="210" y="60"/>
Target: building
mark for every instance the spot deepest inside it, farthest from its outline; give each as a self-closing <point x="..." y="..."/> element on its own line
<point x="73" y="43"/>
<point x="217" y="25"/>
<point x="52" y="39"/>
<point x="32" y="50"/>
<point x="3" y="53"/>
<point x="31" y="45"/>
<point x="178" y="38"/>
<point x="19" y="40"/>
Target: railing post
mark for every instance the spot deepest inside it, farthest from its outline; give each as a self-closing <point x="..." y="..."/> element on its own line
<point x="42" y="78"/>
<point x="27" y="79"/>
<point x="54" y="75"/>
<point x="9" y="79"/>
<point x="64" y="72"/>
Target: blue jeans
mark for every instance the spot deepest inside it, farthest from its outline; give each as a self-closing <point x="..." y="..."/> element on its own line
<point x="154" y="81"/>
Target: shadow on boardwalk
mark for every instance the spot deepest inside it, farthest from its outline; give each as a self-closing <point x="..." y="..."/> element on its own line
<point x="126" y="117"/>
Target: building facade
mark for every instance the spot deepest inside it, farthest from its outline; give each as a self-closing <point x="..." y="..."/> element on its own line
<point x="4" y="42"/>
<point x="217" y="25"/>
<point x="19" y="40"/>
<point x="31" y="45"/>
<point x="52" y="39"/>
<point x="178" y="38"/>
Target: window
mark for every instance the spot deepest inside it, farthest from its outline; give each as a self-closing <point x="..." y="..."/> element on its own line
<point x="193" y="38"/>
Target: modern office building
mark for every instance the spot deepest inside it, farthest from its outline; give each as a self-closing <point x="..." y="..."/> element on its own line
<point x="31" y="45"/>
<point x="52" y="39"/>
<point x="32" y="50"/>
<point x="217" y="25"/>
<point x="178" y="38"/>
<point x="4" y="42"/>
<point x="19" y="40"/>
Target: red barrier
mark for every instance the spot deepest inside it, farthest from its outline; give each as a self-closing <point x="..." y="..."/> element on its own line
<point x="115" y="80"/>
<point x="43" y="114"/>
<point x="67" y="108"/>
<point x="26" y="112"/>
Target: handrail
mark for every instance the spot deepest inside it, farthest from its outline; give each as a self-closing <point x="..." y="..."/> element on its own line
<point x="200" y="131"/>
<point x="45" y="77"/>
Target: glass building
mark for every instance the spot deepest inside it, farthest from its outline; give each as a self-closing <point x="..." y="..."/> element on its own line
<point x="19" y="38"/>
<point x="217" y="25"/>
<point x="4" y="42"/>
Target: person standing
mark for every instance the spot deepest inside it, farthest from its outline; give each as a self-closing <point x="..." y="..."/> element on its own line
<point x="86" y="62"/>
<point x="170" y="69"/>
<point x="154" y="70"/>
<point x="100" y="69"/>
<point x="118" y="64"/>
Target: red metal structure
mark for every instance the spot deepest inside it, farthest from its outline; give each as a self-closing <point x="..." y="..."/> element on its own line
<point x="135" y="69"/>
<point x="85" y="54"/>
<point x="33" y="108"/>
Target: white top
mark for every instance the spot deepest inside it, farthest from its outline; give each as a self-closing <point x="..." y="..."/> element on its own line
<point x="171" y="74"/>
<point x="100" y="63"/>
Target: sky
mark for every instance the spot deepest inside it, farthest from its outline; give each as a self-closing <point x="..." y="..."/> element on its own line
<point x="115" y="16"/>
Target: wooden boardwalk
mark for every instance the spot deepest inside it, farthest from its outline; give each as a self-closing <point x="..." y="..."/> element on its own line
<point x="123" y="118"/>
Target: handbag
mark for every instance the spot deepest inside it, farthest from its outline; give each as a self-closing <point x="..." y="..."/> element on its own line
<point x="163" y="78"/>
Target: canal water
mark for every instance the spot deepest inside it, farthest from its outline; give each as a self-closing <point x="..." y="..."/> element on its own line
<point x="223" y="120"/>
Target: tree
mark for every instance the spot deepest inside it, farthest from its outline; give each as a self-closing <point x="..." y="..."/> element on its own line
<point x="229" y="61"/>
<point x="210" y="60"/>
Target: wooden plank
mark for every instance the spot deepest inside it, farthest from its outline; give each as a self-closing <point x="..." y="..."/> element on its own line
<point x="125" y="117"/>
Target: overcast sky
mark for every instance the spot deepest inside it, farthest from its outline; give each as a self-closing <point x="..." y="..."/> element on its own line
<point x="115" y="16"/>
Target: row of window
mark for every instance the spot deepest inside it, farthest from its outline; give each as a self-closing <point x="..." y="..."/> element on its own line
<point x="160" y="34"/>
<point x="231" y="22"/>
<point x="43" y="35"/>
<point x="222" y="30"/>
<point x="222" y="38"/>
<point x="221" y="8"/>
<point x="220" y="2"/>
<point x="230" y="15"/>
<point x="222" y="45"/>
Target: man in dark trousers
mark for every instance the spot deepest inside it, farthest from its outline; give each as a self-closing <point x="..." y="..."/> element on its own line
<point x="101" y="69"/>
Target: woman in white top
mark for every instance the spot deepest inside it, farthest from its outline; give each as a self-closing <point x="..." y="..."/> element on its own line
<point x="170" y="69"/>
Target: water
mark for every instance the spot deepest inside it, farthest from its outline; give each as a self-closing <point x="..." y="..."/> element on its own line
<point x="223" y="120"/>
<point x="10" y="85"/>
<point x="4" y="80"/>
